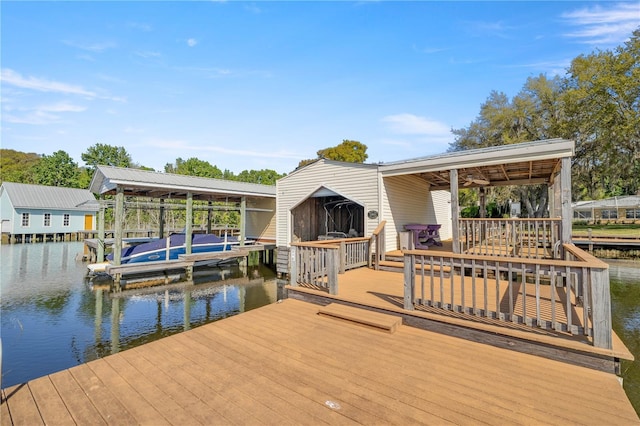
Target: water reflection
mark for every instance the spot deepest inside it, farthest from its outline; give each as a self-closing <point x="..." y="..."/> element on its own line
<point x="624" y="277"/>
<point x="52" y="320"/>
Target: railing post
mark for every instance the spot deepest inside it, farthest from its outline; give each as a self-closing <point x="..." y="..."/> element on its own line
<point x="293" y="264"/>
<point x="332" y="270"/>
<point x="601" y="308"/>
<point x="409" y="280"/>
<point x="343" y="257"/>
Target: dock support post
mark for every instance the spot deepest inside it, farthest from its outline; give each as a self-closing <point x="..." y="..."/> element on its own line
<point x="293" y="265"/>
<point x="565" y="202"/>
<point x="115" y="325"/>
<point x="119" y="219"/>
<point x="455" y="210"/>
<point x="100" y="248"/>
<point x="333" y="264"/>
<point x="243" y="220"/>
<point x="209" y="216"/>
<point x="601" y="308"/>
<point x="161" y="219"/>
<point x="409" y="281"/>
<point x="189" y="225"/>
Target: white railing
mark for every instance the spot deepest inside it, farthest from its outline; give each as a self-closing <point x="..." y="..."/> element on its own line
<point x="528" y="238"/>
<point x="316" y="264"/>
<point x="563" y="295"/>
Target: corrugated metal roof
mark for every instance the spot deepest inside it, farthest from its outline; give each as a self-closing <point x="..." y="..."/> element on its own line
<point x="628" y="201"/>
<point x="144" y="182"/>
<point x="49" y="197"/>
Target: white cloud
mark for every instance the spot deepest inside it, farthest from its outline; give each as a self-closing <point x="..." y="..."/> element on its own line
<point x="61" y="107"/>
<point x="601" y="25"/>
<point x="409" y="124"/>
<point x="131" y="129"/>
<point x="140" y="26"/>
<point x="180" y="145"/>
<point x="148" y="54"/>
<point x="33" y="118"/>
<point x="192" y="42"/>
<point x="252" y="8"/>
<point x="40" y="115"/>
<point x="93" y="47"/>
<point x="8" y="76"/>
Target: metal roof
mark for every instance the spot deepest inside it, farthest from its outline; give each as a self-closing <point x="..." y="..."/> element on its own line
<point x="629" y="201"/>
<point x="167" y="185"/>
<point x="49" y="197"/>
<point x="517" y="164"/>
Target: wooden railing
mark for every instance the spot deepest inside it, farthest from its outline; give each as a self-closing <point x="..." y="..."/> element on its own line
<point x="318" y="263"/>
<point x="377" y="246"/>
<point x="562" y="295"/>
<point x="315" y="263"/>
<point x="354" y="252"/>
<point x="529" y="238"/>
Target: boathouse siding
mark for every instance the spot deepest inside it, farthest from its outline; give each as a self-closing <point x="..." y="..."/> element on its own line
<point x="353" y="181"/>
<point x="261" y="218"/>
<point x="36" y="209"/>
<point x="407" y="199"/>
<point x="396" y="199"/>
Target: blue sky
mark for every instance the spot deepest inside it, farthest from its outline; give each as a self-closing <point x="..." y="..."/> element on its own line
<point x="263" y="85"/>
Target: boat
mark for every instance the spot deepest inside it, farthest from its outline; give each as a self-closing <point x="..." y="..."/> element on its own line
<point x="171" y="247"/>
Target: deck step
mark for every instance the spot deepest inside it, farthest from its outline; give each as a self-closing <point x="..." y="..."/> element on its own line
<point x="378" y="321"/>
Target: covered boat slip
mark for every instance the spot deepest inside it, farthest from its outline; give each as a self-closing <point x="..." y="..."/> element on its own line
<point x="286" y="364"/>
<point x="255" y="203"/>
<point x="513" y="273"/>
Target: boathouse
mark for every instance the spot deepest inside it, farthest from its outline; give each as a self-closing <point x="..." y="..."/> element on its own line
<point x="255" y="204"/>
<point x="415" y="191"/>
<point x="40" y="213"/>
<point x="331" y="199"/>
<point x="522" y="273"/>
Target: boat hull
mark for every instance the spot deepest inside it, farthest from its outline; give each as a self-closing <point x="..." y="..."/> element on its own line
<point x="172" y="247"/>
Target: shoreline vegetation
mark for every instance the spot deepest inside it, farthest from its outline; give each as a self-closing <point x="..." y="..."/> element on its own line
<point x="610" y="231"/>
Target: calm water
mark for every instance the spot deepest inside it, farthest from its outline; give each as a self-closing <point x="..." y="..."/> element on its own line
<point x="52" y="319"/>
<point x="625" y="305"/>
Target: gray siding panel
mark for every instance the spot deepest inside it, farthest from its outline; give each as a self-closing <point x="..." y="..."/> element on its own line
<point x="357" y="182"/>
<point x="405" y="200"/>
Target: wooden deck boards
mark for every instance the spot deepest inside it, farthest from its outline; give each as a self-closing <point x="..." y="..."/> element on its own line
<point x="385" y="289"/>
<point x="285" y="364"/>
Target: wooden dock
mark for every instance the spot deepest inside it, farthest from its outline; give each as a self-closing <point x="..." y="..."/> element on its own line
<point x="285" y="364"/>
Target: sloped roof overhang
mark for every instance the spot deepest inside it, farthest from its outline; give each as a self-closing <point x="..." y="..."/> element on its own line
<point x="526" y="163"/>
<point x="151" y="184"/>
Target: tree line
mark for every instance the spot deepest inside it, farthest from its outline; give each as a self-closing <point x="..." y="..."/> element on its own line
<point x="596" y="104"/>
<point x="59" y="169"/>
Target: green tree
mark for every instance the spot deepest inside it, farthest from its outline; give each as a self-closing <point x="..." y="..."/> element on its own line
<point x="57" y="169"/>
<point x="534" y="113"/>
<point x="106" y="155"/>
<point x="193" y="167"/>
<point x="16" y="166"/>
<point x="348" y="151"/>
<point x="602" y="101"/>
<point x="264" y="177"/>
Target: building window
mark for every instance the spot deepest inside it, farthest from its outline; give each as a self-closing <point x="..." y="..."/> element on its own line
<point x="65" y="219"/>
<point x="25" y="220"/>
<point x="633" y="214"/>
<point x="609" y="214"/>
<point x="47" y="219"/>
<point x="582" y="214"/>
